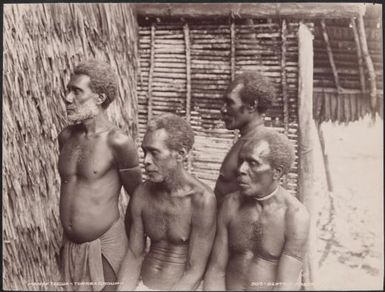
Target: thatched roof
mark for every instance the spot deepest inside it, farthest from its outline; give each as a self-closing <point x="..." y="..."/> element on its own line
<point x="42" y="43"/>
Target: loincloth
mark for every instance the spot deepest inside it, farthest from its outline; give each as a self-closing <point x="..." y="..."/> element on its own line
<point x="82" y="266"/>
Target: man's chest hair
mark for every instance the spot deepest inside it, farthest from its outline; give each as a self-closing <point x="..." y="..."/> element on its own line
<point x="252" y="228"/>
<point x="88" y="157"/>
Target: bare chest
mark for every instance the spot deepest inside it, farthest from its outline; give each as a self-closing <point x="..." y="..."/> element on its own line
<point x="85" y="158"/>
<point x="168" y="220"/>
<point x="261" y="232"/>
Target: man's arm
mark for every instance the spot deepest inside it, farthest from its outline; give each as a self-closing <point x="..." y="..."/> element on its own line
<point x="129" y="271"/>
<point x="200" y="243"/>
<point x="215" y="277"/>
<point x="290" y="263"/>
<point x="63" y="137"/>
<point x="126" y="157"/>
<point x="223" y="187"/>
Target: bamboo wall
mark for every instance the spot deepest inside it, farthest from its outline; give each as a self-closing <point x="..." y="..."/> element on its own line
<point x="42" y="44"/>
<point x="185" y="67"/>
<point x="339" y="63"/>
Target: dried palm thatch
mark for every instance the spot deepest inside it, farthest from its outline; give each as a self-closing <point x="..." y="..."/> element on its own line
<point x="42" y="44"/>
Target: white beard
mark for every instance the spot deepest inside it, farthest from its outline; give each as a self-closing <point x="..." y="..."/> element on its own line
<point x="83" y="112"/>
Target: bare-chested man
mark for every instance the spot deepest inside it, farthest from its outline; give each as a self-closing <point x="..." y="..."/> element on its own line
<point x="246" y="100"/>
<point x="96" y="159"/>
<point x="262" y="230"/>
<point x="175" y="210"/>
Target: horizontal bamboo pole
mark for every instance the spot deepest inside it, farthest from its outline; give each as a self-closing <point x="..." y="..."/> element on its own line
<point x="299" y="10"/>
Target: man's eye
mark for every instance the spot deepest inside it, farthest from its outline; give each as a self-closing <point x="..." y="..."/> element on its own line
<point x="77" y="91"/>
<point x="253" y="163"/>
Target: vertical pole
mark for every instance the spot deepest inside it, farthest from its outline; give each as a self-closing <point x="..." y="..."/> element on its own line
<point x="232" y="64"/>
<point x="151" y="72"/>
<point x="186" y="30"/>
<point x="369" y="64"/>
<point x="307" y="140"/>
<point x="284" y="85"/>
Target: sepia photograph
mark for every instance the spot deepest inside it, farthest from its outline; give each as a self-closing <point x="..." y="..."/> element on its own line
<point x="192" y="146"/>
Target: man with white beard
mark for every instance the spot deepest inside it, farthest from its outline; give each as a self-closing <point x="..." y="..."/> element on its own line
<point x="96" y="160"/>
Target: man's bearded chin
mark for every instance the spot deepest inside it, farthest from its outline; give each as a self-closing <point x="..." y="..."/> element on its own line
<point x="83" y="114"/>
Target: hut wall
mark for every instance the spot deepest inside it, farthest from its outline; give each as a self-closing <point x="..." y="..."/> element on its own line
<point x="42" y="44"/>
<point x="185" y="67"/>
<point x="352" y="102"/>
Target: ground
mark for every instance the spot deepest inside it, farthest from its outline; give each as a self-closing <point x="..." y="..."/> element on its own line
<point x="350" y="223"/>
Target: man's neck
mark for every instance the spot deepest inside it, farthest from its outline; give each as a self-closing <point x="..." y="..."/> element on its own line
<point x="251" y="126"/>
<point x="269" y="198"/>
<point x="176" y="182"/>
<point x="95" y="125"/>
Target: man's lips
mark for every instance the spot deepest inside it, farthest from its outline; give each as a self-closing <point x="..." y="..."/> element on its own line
<point x="151" y="171"/>
<point x="242" y="183"/>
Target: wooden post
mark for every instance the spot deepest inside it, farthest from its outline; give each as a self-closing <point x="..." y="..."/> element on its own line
<point x="330" y="55"/>
<point x="369" y="64"/>
<point x="150" y="74"/>
<point x="285" y="96"/>
<point x="186" y="30"/>
<point x="232" y="65"/>
<point x="307" y="140"/>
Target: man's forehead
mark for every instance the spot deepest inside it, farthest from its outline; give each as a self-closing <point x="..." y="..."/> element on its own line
<point x="158" y="136"/>
<point x="79" y="79"/>
<point x="259" y="148"/>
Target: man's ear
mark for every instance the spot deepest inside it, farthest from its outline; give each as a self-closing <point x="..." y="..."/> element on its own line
<point x="252" y="107"/>
<point x="181" y="154"/>
<point x="101" y="98"/>
<point x="277" y="173"/>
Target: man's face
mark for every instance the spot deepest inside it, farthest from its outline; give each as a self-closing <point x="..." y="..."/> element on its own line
<point x="234" y="112"/>
<point x="159" y="161"/>
<point x="255" y="174"/>
<point x="80" y="101"/>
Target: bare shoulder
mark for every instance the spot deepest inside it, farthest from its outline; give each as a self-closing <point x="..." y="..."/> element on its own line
<point x="297" y="216"/>
<point x="203" y="195"/>
<point x="65" y="134"/>
<point x="117" y="138"/>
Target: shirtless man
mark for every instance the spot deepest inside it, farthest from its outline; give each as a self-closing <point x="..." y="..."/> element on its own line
<point x="262" y="230"/>
<point x="246" y="100"/>
<point x="96" y="159"/>
<point x="175" y="210"/>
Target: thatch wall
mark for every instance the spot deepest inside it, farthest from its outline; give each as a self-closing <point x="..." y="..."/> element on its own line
<point x="42" y="43"/>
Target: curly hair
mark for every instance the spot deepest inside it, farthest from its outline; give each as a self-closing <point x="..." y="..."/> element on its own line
<point x="256" y="87"/>
<point x="103" y="80"/>
<point x="281" y="149"/>
<point x="180" y="133"/>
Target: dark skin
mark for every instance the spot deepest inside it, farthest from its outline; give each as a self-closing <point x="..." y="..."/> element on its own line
<point x="96" y="160"/>
<point x="248" y="121"/>
<point x="177" y="212"/>
<point x="258" y="242"/>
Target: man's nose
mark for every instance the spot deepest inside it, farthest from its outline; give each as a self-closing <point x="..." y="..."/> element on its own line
<point x="147" y="159"/>
<point x="69" y="97"/>
<point x="242" y="169"/>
